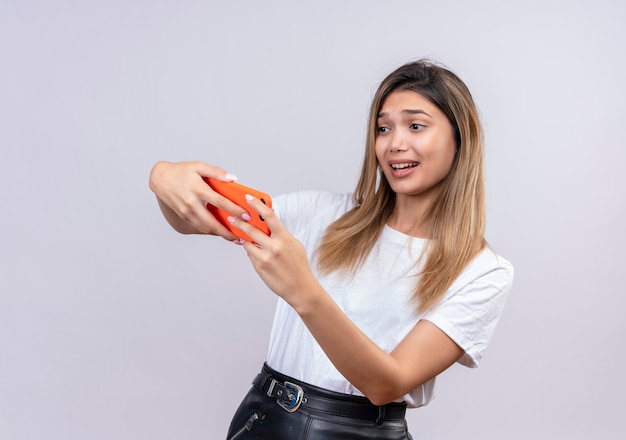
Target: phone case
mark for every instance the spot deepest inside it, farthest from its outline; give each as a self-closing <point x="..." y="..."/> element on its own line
<point x="236" y="192"/>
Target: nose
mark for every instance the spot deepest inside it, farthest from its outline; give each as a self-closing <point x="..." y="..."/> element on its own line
<point x="398" y="142"/>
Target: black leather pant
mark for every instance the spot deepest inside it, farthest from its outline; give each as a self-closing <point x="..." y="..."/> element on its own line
<point x="321" y="414"/>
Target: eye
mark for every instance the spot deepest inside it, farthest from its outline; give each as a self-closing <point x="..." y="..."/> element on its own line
<point x="417" y="127"/>
<point x="382" y="129"/>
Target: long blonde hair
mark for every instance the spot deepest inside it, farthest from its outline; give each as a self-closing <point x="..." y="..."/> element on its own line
<point x="457" y="215"/>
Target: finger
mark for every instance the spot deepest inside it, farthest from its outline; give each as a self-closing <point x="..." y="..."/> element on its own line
<point x="200" y="189"/>
<point x="272" y="221"/>
<point x="202" y="221"/>
<point x="258" y="237"/>
<point x="207" y="170"/>
<point x="206" y="194"/>
<point x="182" y="187"/>
<point x="205" y="222"/>
<point x="254" y="252"/>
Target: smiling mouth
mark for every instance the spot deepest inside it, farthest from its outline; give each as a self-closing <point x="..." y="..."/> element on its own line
<point x="404" y="166"/>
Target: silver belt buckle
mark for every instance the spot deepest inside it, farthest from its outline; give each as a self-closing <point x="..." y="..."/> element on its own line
<point x="293" y="402"/>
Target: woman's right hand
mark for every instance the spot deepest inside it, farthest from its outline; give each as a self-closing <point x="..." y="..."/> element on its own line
<point x="183" y="195"/>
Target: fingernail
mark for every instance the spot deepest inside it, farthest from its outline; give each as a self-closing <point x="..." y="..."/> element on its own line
<point x="249" y="197"/>
<point x="231" y="219"/>
<point x="238" y="241"/>
<point x="246" y="217"/>
<point x="231" y="177"/>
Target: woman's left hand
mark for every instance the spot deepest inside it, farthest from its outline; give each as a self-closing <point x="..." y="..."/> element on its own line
<point x="280" y="259"/>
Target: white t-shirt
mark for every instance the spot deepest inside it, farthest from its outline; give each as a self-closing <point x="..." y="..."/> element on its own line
<point x="378" y="298"/>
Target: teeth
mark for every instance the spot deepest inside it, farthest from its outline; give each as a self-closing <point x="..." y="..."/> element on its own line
<point x="401" y="166"/>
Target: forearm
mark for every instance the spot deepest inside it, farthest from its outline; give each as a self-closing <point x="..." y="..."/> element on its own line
<point x="369" y="368"/>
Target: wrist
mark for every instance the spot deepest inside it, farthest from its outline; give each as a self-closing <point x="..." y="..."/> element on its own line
<point x="156" y="175"/>
<point x="309" y="298"/>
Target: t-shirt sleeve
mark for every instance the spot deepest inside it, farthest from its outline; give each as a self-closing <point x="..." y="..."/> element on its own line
<point x="472" y="307"/>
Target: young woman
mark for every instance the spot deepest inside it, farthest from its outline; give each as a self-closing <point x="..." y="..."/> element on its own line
<point x="380" y="290"/>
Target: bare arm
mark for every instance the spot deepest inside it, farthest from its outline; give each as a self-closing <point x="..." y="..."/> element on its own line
<point x="383" y="377"/>
<point x="182" y="195"/>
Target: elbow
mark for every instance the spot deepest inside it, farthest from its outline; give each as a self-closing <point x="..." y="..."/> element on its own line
<point x="386" y="390"/>
<point x="383" y="397"/>
<point x="379" y="401"/>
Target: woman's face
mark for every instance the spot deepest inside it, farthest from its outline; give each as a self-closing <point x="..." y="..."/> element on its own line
<point x="415" y="145"/>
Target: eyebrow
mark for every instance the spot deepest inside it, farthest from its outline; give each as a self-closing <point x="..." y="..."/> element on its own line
<point x="407" y="111"/>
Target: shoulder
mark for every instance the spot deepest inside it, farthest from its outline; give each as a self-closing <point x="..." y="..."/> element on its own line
<point x="486" y="266"/>
<point x="485" y="282"/>
<point x="472" y="306"/>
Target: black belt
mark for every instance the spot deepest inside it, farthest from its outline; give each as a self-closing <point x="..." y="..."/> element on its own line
<point x="292" y="394"/>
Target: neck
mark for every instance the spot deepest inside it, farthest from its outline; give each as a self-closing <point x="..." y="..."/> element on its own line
<point x="410" y="216"/>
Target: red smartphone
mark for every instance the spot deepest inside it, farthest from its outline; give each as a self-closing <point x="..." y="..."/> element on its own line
<point x="236" y="193"/>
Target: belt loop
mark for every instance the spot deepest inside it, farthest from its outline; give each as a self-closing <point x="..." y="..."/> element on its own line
<point x="381" y="415"/>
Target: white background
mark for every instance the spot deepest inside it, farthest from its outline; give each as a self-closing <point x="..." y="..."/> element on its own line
<point x="112" y="326"/>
